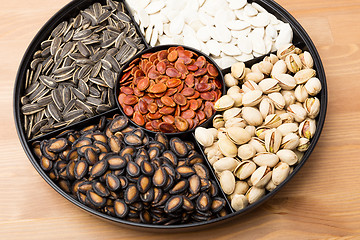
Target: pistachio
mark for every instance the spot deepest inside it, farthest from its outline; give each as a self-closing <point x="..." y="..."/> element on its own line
<point x="304" y="144"/>
<point x="285" y="50"/>
<point x="272" y="58"/>
<point x="312" y="107"/>
<point x="231" y="113"/>
<point x="289" y="97"/>
<point x="224" y="103"/>
<point x="213" y="131"/>
<point x="265" y="67"/>
<point x="258" y="144"/>
<point x="286" y="118"/>
<point x="238" y="70"/>
<point x="261" y="131"/>
<point x="279" y="68"/>
<point x="238" y="135"/>
<point x="215" y="146"/>
<point x="218" y="121"/>
<point x="226" y="163"/>
<point x="287" y="156"/>
<point x="290" y="141"/>
<point x="306" y="59"/>
<point x="287" y="128"/>
<point x="230" y="81"/>
<point x="272" y="121"/>
<point x="293" y="63"/>
<point x="266" y="107"/>
<point x="252" y="116"/>
<point x="203" y="137"/>
<point x="254" y="76"/>
<point x="286" y="81"/>
<point x="300" y="93"/>
<point x="237" y="97"/>
<point x="251" y="130"/>
<point x="300" y="156"/>
<point x="298" y="112"/>
<point x="269" y="85"/>
<point x="278" y="100"/>
<point x="304" y="75"/>
<point x="273" y="140"/>
<point x="239" y="202"/>
<point x="261" y="176"/>
<point x="246" y="151"/>
<point x="313" y="86"/>
<point x="241" y="188"/>
<point x="307" y="128"/>
<point x="280" y="173"/>
<point x="254" y="194"/>
<point x="234" y="89"/>
<point x="255" y="68"/>
<point x="227" y="147"/>
<point x="250" y="86"/>
<point x="235" y="122"/>
<point x="270" y="186"/>
<point x="227" y="182"/>
<point x="266" y="159"/>
<point x="252" y="98"/>
<point x="244" y="170"/>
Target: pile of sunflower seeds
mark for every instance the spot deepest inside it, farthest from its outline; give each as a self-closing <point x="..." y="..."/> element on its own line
<point x="73" y="75"/>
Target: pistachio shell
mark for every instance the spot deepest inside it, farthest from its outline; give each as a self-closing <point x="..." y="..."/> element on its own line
<point x="285" y="50"/>
<point x="258" y="144"/>
<point x="289" y="97"/>
<point x="227" y="182"/>
<point x="224" y="103"/>
<point x="266" y="159"/>
<point x="238" y="135"/>
<point x="230" y="81"/>
<point x="266" y="107"/>
<point x="272" y="121"/>
<point x="270" y="186"/>
<point x="287" y="118"/>
<point x="235" y="122"/>
<point x="252" y="116"/>
<point x="293" y="62"/>
<point x="241" y="187"/>
<point x="273" y="140"/>
<point x="252" y="98"/>
<point x="254" y="194"/>
<point x="298" y="112"/>
<point x="203" y="136"/>
<point x="300" y="93"/>
<point x="286" y="81"/>
<point x="246" y="152"/>
<point x="265" y="67"/>
<point x="269" y="85"/>
<point x="234" y="89"/>
<point x="239" y="202"/>
<point x="261" y="177"/>
<point x="254" y="76"/>
<point x="261" y="131"/>
<point x="238" y="70"/>
<point x="226" y="163"/>
<point x="313" y="86"/>
<point x="277" y="99"/>
<point x="218" y="121"/>
<point x="287" y="128"/>
<point x="287" y="156"/>
<point x="250" y="86"/>
<point x="306" y="59"/>
<point x="304" y="75"/>
<point x="231" y="113"/>
<point x="237" y="99"/>
<point x="244" y="170"/>
<point x="227" y="147"/>
<point x="251" y="130"/>
<point x="304" y="144"/>
<point x="279" y="68"/>
<point x="290" y="141"/>
<point x="312" y="107"/>
<point x="307" y="128"/>
<point x="280" y="173"/>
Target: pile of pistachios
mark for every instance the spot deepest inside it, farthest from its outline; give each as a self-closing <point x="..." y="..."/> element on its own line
<point x="267" y="123"/>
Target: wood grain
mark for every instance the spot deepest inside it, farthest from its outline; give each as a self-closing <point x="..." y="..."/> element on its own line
<point x="321" y="202"/>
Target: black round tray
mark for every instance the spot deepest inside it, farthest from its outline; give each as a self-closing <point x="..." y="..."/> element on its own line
<point x="301" y="40"/>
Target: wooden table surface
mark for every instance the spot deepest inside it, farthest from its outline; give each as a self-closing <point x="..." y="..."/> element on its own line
<point x="321" y="202"/>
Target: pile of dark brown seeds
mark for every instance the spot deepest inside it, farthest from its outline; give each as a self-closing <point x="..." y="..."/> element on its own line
<point x="119" y="170"/>
<point x="72" y="76"/>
